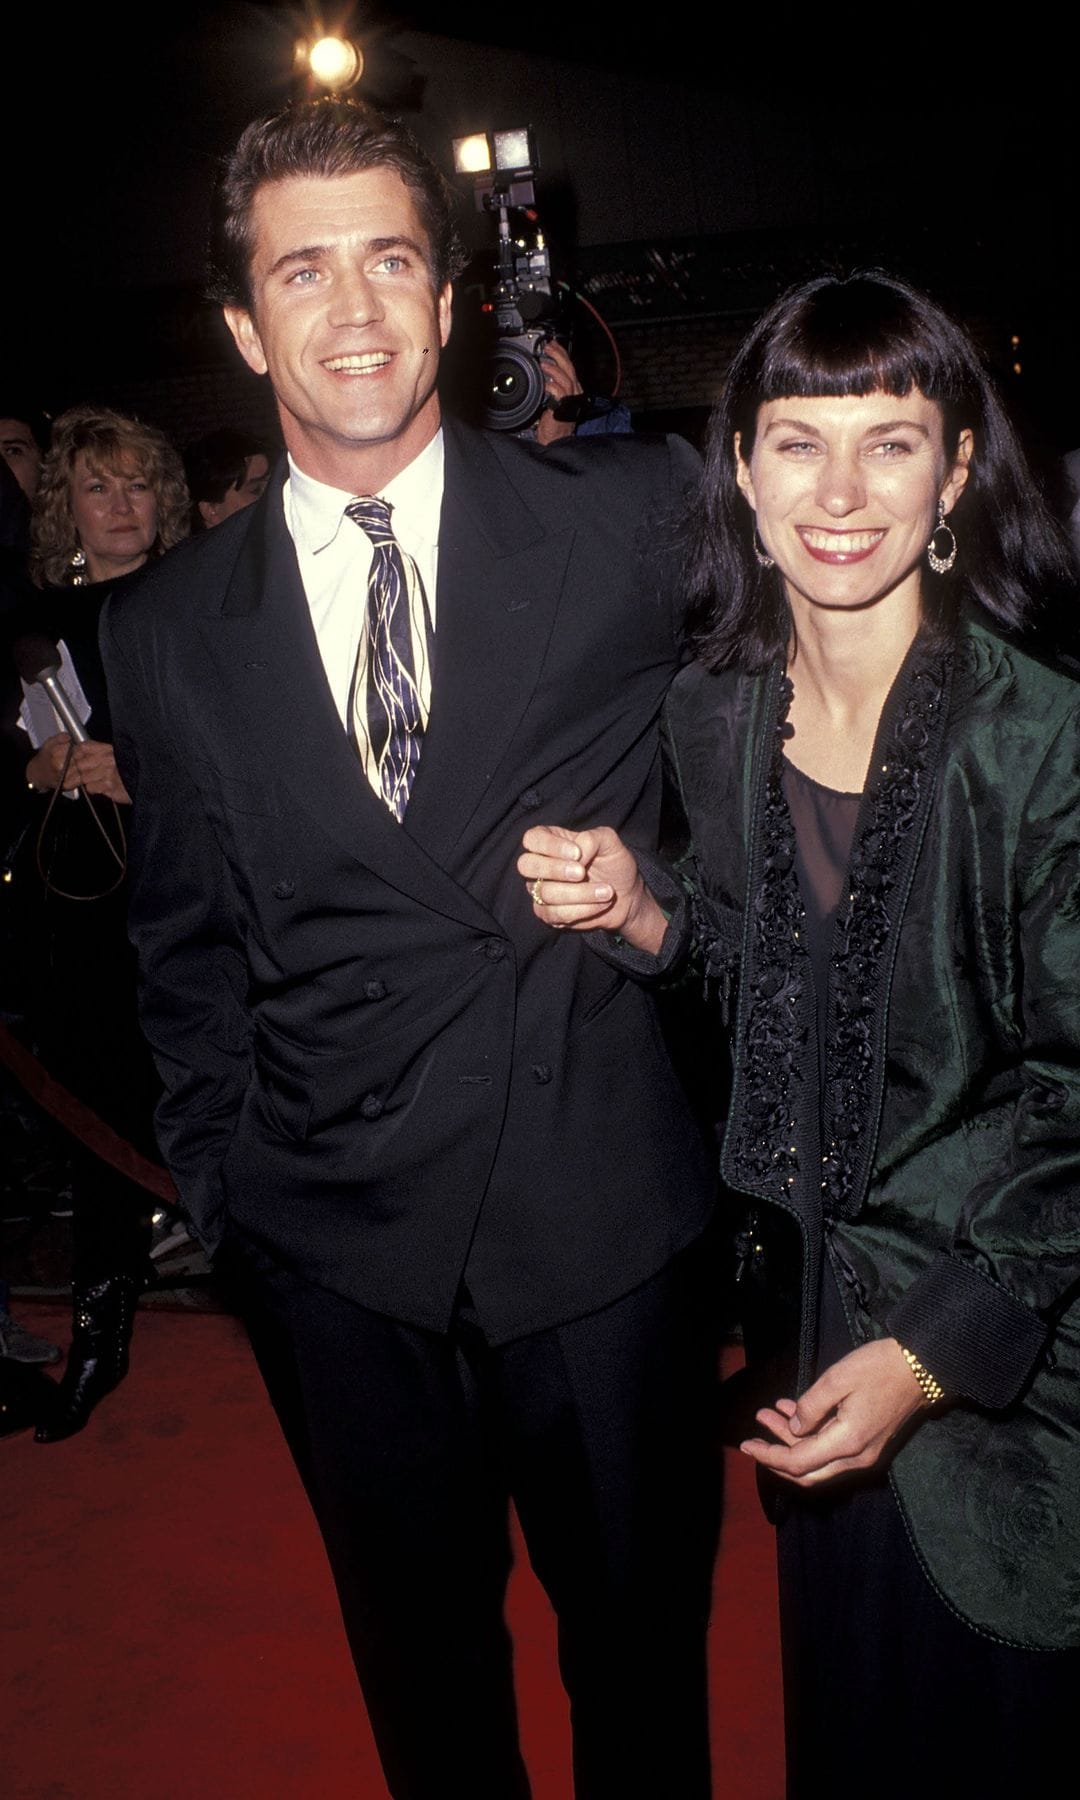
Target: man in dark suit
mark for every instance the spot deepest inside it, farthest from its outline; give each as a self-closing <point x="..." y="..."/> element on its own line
<point x="444" y="1145"/>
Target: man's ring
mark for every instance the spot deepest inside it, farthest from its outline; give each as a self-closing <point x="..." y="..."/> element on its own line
<point x="536" y="890"/>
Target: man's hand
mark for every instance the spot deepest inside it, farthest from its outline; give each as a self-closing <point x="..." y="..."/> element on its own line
<point x="92" y="766"/>
<point x="560" y="380"/>
<point x="844" y="1421"/>
<point x="579" y="880"/>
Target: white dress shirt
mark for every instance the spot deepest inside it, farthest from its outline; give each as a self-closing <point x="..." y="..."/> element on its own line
<point x="335" y="554"/>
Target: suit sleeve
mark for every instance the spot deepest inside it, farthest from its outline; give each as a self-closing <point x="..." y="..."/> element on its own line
<point x="186" y="927"/>
<point x="981" y="1316"/>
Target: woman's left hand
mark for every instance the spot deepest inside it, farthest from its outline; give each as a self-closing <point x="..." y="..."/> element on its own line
<point x="844" y="1421"/>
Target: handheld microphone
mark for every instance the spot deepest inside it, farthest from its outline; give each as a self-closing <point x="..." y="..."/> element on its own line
<point x="38" y="659"/>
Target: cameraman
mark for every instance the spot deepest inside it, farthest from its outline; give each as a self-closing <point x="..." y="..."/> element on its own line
<point x="561" y="381"/>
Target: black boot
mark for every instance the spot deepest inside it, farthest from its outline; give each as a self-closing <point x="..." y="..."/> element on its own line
<point x="98" y="1358"/>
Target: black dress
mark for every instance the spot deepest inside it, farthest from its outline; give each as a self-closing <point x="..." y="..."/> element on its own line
<point x="866" y="1706"/>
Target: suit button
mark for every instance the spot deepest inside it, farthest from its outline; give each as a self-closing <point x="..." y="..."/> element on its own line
<point x="374" y="990"/>
<point x="494" y="949"/>
<point x="371" y="1107"/>
<point x="531" y="799"/>
<point x="284" y="890"/>
<point x="542" y="1073"/>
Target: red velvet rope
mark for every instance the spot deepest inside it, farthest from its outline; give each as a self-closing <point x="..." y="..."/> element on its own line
<point x="81" y="1122"/>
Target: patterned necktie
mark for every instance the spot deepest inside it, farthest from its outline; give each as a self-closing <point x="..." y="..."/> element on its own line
<point x="391" y="686"/>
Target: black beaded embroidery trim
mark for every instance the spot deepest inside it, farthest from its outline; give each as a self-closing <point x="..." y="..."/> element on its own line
<point x="762" y="1151"/>
<point x="882" y="863"/>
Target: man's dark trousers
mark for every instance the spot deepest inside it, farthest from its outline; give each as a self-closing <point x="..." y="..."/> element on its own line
<point x="410" y="1444"/>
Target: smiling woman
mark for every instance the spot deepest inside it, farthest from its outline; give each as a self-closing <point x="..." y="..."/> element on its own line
<point x="878" y="762"/>
<point x="850" y="483"/>
<point x="846" y="492"/>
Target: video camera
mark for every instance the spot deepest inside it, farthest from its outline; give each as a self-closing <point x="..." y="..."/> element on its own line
<point x="521" y="302"/>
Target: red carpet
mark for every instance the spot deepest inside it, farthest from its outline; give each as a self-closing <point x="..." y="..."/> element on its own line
<point x="168" y="1626"/>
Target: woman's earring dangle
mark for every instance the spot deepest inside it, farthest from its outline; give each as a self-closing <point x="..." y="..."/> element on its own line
<point x="764" y="560"/>
<point x="941" y="564"/>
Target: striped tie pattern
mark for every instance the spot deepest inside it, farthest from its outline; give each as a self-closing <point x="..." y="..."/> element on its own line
<point x="391" y="686"/>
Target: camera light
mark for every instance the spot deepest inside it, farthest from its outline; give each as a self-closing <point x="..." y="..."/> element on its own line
<point x="514" y="149"/>
<point x="335" y="63"/>
<point x="472" y="155"/>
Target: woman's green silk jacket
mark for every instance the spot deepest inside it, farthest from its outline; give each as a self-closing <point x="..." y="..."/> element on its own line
<point x="936" y="1160"/>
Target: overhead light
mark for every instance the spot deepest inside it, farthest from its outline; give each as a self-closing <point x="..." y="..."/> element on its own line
<point x="335" y="63"/>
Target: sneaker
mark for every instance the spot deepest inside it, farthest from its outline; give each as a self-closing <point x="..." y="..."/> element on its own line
<point x="22" y="1346"/>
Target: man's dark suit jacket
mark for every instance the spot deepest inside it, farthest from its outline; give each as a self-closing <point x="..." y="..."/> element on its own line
<point x="380" y="1067"/>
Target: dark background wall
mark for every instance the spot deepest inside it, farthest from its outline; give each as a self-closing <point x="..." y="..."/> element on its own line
<point x="689" y="172"/>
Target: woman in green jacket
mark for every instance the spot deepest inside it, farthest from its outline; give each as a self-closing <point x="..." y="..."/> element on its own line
<point x="881" y="777"/>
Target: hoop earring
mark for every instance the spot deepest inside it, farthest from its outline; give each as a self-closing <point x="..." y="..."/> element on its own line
<point x="941" y="564"/>
<point x="764" y="560"/>
<point x="77" y="564"/>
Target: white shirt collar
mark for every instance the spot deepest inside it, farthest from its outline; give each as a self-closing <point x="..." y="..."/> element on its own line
<point x="314" y="511"/>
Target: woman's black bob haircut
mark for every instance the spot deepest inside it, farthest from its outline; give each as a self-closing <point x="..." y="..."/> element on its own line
<point x="862" y="334"/>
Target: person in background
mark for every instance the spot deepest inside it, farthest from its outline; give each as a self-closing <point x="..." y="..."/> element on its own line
<point x="24" y="438"/>
<point x="879" y="758"/>
<point x="601" y="417"/>
<point x="226" y="470"/>
<point x="111" y="498"/>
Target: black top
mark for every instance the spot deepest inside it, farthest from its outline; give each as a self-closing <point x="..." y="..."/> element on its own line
<point x="824" y="822"/>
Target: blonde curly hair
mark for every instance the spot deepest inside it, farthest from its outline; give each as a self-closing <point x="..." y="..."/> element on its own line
<point x="113" y="445"/>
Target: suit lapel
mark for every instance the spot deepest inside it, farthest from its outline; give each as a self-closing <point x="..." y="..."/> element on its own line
<point x="500" y="577"/>
<point x="264" y="640"/>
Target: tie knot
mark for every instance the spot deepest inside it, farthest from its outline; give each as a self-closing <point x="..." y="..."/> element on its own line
<point x="372" y="515"/>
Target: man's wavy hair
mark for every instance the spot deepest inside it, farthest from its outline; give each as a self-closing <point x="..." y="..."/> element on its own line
<point x="325" y="139"/>
<point x="863" y="334"/>
<point x="112" y="445"/>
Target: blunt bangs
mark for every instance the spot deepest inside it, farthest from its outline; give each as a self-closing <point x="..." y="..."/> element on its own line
<point x="861" y="336"/>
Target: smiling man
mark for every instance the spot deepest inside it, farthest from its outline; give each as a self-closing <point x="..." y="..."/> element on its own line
<point x="442" y="1146"/>
<point x="345" y="317"/>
